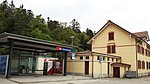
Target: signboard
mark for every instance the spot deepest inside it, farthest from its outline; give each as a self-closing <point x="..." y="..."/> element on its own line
<point x="3" y="63"/>
<point x="63" y="49"/>
<point x="101" y="59"/>
<point x="73" y="56"/>
<point x="67" y="49"/>
<point x="58" y="48"/>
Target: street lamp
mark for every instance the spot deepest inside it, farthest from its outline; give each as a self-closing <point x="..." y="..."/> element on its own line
<point x="72" y="37"/>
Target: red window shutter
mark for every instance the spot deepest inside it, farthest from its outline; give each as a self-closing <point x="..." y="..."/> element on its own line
<point x="111" y="36"/>
<point x="108" y="49"/>
<point x="147" y="66"/>
<point x="146" y="52"/>
<point x="143" y="65"/>
<point x="142" y="50"/>
<point x="113" y="49"/>
<point x="138" y="48"/>
<point x="139" y="64"/>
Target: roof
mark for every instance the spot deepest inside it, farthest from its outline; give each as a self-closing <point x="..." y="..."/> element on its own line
<point x="24" y="42"/>
<point x="143" y="34"/>
<point x="89" y="53"/>
<point x="118" y="64"/>
<point x="112" y="23"/>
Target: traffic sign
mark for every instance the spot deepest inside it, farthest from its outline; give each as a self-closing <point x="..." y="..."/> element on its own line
<point x="73" y="56"/>
<point x="101" y="59"/>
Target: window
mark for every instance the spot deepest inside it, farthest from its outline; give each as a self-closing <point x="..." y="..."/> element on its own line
<point x="111" y="36"/>
<point x="112" y="59"/>
<point x="139" y="64"/>
<point x="98" y="57"/>
<point x="143" y="65"/>
<point x="116" y="60"/>
<point x="87" y="57"/>
<point x="81" y="57"/>
<point x="111" y="49"/>
<point x="103" y="58"/>
<point x="108" y="59"/>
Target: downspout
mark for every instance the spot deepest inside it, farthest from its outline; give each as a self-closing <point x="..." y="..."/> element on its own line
<point x="92" y="64"/>
<point x="136" y="59"/>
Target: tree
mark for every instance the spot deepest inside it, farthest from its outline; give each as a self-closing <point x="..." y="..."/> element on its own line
<point x="23" y="22"/>
<point x="52" y="24"/>
<point x="83" y="41"/>
<point x="36" y="33"/>
<point x="75" y="26"/>
<point x="89" y="32"/>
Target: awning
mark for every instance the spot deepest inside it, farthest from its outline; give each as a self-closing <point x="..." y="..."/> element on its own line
<point x="117" y="64"/>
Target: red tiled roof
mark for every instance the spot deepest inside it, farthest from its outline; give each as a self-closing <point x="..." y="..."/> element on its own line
<point x="143" y="34"/>
<point x="120" y="64"/>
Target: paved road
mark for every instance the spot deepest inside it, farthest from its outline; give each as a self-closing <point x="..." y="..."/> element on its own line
<point x="144" y="80"/>
<point x="104" y="81"/>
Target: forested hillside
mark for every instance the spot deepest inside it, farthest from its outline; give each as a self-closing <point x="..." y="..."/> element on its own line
<point x="24" y="22"/>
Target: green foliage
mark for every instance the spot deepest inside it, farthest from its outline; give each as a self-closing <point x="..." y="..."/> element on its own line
<point x="36" y="33"/>
<point x="24" y="22"/>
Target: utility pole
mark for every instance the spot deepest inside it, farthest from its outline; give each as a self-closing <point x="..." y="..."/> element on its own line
<point x="72" y="37"/>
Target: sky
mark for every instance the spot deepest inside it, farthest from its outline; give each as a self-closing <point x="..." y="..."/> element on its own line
<point x="132" y="15"/>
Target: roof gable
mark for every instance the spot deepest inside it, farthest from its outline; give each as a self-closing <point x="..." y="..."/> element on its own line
<point x="109" y="22"/>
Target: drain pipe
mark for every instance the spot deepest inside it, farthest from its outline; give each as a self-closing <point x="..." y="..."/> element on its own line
<point x="136" y="59"/>
<point x="92" y="64"/>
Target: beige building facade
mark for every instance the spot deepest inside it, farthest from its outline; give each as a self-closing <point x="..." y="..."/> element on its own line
<point x="132" y="50"/>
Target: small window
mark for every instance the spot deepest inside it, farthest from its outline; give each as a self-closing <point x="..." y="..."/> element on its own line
<point x="87" y="57"/>
<point x="81" y="57"/>
<point x="108" y="59"/>
<point x="103" y="58"/>
<point x="111" y="36"/>
<point x="112" y="59"/>
<point x="98" y="57"/>
<point x="116" y="60"/>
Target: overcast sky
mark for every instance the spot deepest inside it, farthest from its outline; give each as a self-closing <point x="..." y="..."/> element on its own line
<point x="133" y="15"/>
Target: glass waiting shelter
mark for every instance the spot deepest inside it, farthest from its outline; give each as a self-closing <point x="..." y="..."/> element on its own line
<point x="24" y="55"/>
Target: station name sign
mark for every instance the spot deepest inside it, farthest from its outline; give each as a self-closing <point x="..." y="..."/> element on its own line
<point x="63" y="49"/>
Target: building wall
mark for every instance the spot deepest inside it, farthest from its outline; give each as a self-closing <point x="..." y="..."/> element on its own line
<point x="125" y="45"/>
<point x="145" y="58"/>
<point x="100" y="69"/>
